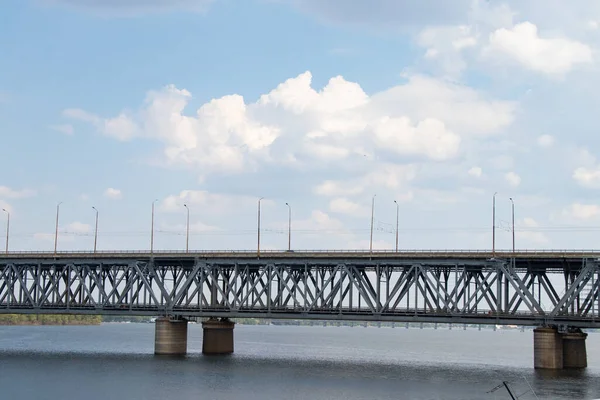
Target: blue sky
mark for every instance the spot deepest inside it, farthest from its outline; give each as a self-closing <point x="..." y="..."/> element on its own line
<point x="321" y="104"/>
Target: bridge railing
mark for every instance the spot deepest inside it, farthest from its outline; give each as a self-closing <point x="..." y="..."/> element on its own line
<point x="307" y="251"/>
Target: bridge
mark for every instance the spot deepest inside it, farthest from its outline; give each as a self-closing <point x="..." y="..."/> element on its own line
<point x="556" y="291"/>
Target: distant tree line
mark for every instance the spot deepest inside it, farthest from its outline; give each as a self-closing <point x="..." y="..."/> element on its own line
<point x="49" y="319"/>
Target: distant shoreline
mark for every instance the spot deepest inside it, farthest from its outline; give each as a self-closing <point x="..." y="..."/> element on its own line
<point x="49" y="324"/>
<point x="48" y="319"/>
<point x="91" y="320"/>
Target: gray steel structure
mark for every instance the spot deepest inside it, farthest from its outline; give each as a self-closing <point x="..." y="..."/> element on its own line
<point x="474" y="287"/>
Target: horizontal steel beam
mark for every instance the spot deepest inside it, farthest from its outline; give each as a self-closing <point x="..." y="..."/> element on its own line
<point x="188" y="262"/>
<point x="324" y="316"/>
<point x="327" y="254"/>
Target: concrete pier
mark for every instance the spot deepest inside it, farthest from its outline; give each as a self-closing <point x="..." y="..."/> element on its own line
<point x="574" y="351"/>
<point x="170" y="336"/>
<point x="547" y="348"/>
<point x="554" y="350"/>
<point x="217" y="336"/>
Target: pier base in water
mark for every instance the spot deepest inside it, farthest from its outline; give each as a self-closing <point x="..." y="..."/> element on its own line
<point x="554" y="350"/>
<point x="170" y="336"/>
<point x="547" y="348"/>
<point x="217" y="336"/>
<point x="574" y="351"/>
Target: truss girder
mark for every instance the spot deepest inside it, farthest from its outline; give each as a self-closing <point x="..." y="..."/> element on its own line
<point x="491" y="289"/>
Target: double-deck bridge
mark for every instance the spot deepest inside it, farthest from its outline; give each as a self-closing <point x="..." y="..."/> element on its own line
<point x="554" y="290"/>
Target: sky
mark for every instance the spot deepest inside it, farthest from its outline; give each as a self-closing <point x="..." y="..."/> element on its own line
<point x="416" y="111"/>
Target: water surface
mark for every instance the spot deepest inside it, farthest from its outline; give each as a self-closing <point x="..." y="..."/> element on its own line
<point x="116" y="361"/>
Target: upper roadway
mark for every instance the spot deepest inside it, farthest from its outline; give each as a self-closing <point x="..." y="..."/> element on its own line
<point x="310" y="254"/>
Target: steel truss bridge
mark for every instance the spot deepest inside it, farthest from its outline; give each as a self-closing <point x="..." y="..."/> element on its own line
<point x="510" y="288"/>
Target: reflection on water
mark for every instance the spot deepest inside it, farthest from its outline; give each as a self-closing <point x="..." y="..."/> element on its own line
<point x="282" y="362"/>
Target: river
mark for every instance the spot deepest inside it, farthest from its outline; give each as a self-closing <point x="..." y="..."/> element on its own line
<point x="116" y="361"/>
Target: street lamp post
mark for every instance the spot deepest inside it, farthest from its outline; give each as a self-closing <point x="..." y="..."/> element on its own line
<point x="187" y="229"/>
<point x="494" y="225"/>
<point x="258" y="231"/>
<point x="397" y="219"/>
<point x="372" y="220"/>
<point x="56" y="228"/>
<point x="96" y="230"/>
<point x="289" y="226"/>
<point x="513" y="223"/>
<point x="152" y="229"/>
<point x="7" y="227"/>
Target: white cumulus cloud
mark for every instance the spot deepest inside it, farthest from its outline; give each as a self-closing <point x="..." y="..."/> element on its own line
<point x="208" y="202"/>
<point x="113" y="193"/>
<point x="545" y="140"/>
<point x="335" y="188"/>
<point x="384" y="175"/>
<point x="429" y="137"/>
<point x="582" y="211"/>
<point x="513" y="179"/>
<point x="587" y="177"/>
<point x="528" y="230"/>
<point x="318" y="220"/>
<point x="342" y="205"/>
<point x="477" y="172"/>
<point x="444" y="45"/>
<point x="296" y="124"/>
<point x="121" y="127"/>
<point x="551" y="55"/>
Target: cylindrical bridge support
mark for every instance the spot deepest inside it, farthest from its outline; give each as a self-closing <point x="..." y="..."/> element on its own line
<point x="217" y="336"/>
<point x="574" y="351"/>
<point x="558" y="350"/>
<point x="170" y="336"/>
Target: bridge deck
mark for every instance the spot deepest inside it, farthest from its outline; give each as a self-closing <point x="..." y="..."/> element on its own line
<point x="310" y="254"/>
